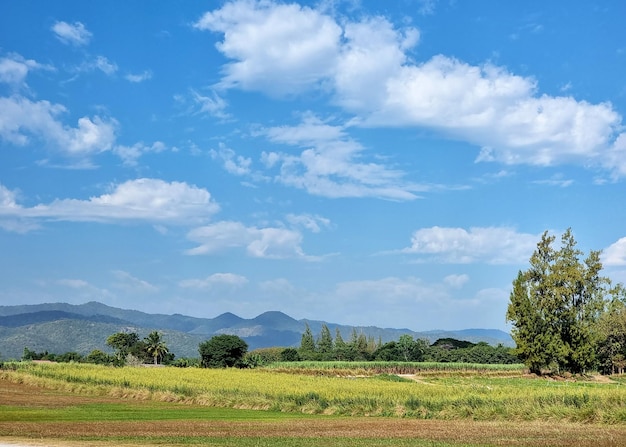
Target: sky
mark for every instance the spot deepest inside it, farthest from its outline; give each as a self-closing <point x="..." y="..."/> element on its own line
<point x="359" y="162"/>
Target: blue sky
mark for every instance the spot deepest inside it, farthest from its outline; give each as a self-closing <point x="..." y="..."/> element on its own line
<point x="361" y="162"/>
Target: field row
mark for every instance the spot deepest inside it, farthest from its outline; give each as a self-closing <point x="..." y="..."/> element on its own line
<point x="430" y="396"/>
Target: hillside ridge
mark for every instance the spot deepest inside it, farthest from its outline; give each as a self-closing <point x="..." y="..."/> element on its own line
<point x="63" y="327"/>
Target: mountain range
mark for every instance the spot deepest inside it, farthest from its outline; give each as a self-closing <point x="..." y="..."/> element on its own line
<point x="62" y="327"/>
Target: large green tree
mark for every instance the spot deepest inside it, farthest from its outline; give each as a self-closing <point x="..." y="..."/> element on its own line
<point x="124" y="343"/>
<point x="222" y="351"/>
<point x="555" y="305"/>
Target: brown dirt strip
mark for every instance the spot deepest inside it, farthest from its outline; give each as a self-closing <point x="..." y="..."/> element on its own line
<point x="463" y="431"/>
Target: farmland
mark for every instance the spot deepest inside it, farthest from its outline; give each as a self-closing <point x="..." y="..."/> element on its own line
<point x="332" y="404"/>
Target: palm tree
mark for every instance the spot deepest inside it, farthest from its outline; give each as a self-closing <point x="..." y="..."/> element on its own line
<point x="155" y="346"/>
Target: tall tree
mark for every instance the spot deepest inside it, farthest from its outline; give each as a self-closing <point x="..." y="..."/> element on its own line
<point x="307" y="342"/>
<point x="325" y="343"/>
<point x="155" y="346"/>
<point x="341" y="348"/>
<point x="554" y="307"/>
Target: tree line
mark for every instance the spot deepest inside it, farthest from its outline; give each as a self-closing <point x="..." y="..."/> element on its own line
<point x="405" y="349"/>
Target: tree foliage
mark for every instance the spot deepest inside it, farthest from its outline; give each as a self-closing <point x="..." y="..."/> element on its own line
<point x="555" y="306"/>
<point x="222" y="351"/>
<point x="155" y="346"/>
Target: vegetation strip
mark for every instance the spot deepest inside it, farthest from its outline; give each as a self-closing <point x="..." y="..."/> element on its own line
<point x="445" y="396"/>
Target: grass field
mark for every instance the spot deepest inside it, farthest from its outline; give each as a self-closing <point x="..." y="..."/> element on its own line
<point x="88" y="405"/>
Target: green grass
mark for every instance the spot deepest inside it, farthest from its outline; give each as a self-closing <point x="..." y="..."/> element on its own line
<point x="138" y="411"/>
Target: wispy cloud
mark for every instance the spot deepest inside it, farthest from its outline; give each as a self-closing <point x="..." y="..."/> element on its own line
<point x="267" y="242"/>
<point x="332" y="164"/>
<point x="491" y="245"/>
<point x="72" y="33"/>
<point x="129" y="283"/>
<point x="137" y="78"/>
<point x="131" y="154"/>
<point x="230" y="280"/>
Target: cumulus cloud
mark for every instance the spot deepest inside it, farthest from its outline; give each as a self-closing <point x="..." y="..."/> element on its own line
<point x="14" y="68"/>
<point x="491" y="245"/>
<point x="72" y="33"/>
<point x="21" y="120"/>
<point x="277" y="48"/>
<point x="142" y="200"/>
<point x="269" y="242"/>
<point x="215" y="280"/>
<point x="280" y="48"/>
<point x="615" y="254"/>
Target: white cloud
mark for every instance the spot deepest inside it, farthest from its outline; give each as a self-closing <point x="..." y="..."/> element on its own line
<point x="312" y="223"/>
<point x="141" y="200"/>
<point x="73" y="34"/>
<point x="492" y="245"/>
<point x="331" y="164"/>
<point x="14" y="68"/>
<point x="372" y="55"/>
<point x="270" y="242"/>
<point x="131" y="284"/>
<point x="130" y="154"/>
<point x="137" y="78"/>
<point x="456" y="281"/>
<point x="285" y="49"/>
<point x="615" y="254"/>
<point x="556" y="180"/>
<point x="22" y="119"/>
<point x="215" y="280"/>
<point x="212" y="105"/>
<point x="233" y="163"/>
<point x="99" y="63"/>
<point x="427" y="7"/>
<point x="277" y="48"/>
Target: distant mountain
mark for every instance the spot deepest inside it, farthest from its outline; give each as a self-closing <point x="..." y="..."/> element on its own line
<point x="62" y="327"/>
